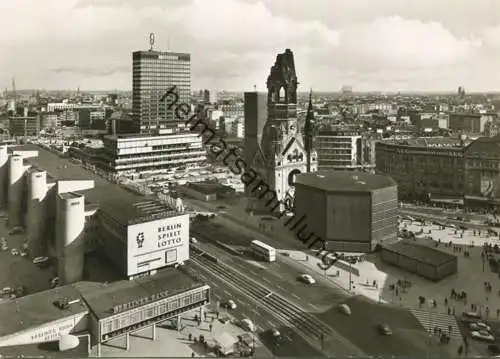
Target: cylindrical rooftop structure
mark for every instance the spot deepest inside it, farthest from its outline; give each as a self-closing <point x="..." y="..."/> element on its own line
<point x="4" y="170"/>
<point x="15" y="190"/>
<point x="36" y="216"/>
<point x="70" y="224"/>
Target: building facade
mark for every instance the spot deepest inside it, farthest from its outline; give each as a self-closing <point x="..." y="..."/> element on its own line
<point x="255" y="115"/>
<point x="482" y="173"/>
<point x="424" y="167"/>
<point x="153" y="74"/>
<point x="132" y="154"/>
<point x="339" y="150"/>
<point x="353" y="211"/>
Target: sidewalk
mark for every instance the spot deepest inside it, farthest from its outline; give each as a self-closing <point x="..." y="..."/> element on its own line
<point x="173" y="343"/>
<point x="360" y="285"/>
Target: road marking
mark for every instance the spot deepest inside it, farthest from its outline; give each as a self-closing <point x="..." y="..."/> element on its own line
<point x="214" y="285"/>
<point x="216" y="296"/>
<point x="271" y="324"/>
<point x="227" y="293"/>
<point x="239" y="301"/>
<point x="266" y="280"/>
<point x="278" y="275"/>
<point x="202" y="276"/>
<point x="295" y="296"/>
<point x="280" y="287"/>
<point x="253" y="272"/>
<point x="312" y="305"/>
<point x="288" y="337"/>
<point x="259" y="329"/>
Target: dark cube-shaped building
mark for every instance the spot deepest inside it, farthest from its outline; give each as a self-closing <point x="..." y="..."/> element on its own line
<point x="352" y="211"/>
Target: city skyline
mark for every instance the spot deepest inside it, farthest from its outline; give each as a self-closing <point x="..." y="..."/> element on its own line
<point x="394" y="46"/>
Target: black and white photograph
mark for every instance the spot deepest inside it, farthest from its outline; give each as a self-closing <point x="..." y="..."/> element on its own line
<point x="250" y="178"/>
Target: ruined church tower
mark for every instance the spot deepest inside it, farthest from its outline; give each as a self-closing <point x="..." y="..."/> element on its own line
<point x="283" y="152"/>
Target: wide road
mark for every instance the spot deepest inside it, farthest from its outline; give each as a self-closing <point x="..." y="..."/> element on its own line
<point x="291" y="343"/>
<point x="280" y="308"/>
<point x="282" y="279"/>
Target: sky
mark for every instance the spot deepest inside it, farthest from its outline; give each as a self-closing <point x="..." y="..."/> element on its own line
<point x="383" y="45"/>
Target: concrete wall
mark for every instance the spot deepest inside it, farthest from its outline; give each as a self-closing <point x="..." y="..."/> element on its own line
<point x="36" y="211"/>
<point x="4" y="173"/>
<point x="311" y="203"/>
<point x="70" y="246"/>
<point x="16" y="188"/>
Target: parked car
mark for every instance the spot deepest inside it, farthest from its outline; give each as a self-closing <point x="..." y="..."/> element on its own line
<point x="306" y="278"/>
<point x="23" y="253"/>
<point x="193" y="240"/>
<point x="483" y="335"/>
<point x="14" y="252"/>
<point x="479" y="326"/>
<point x="247" y="324"/>
<point x="16" y="230"/>
<point x="384" y="329"/>
<point x="230" y="304"/>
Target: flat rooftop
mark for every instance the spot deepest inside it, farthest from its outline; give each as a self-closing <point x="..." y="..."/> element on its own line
<point x="102" y="297"/>
<point x="47" y="350"/>
<point x="116" y="201"/>
<point x="429" y="142"/>
<point x="37" y="309"/>
<point x="419" y="252"/>
<point x="348" y="181"/>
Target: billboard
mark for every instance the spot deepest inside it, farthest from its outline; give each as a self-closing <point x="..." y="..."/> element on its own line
<point x="157" y="244"/>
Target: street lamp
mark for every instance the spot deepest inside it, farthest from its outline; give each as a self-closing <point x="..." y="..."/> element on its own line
<point x="253" y="319"/>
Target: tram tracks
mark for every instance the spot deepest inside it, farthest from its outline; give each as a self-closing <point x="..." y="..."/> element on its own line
<point x="307" y="325"/>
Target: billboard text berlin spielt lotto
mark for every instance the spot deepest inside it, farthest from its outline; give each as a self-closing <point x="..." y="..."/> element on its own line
<point x="250" y="178"/>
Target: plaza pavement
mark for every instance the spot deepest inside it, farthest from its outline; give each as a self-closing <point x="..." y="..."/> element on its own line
<point x="173" y="343"/>
<point x="470" y="277"/>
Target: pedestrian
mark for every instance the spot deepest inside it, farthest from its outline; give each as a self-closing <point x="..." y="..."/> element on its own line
<point x="446" y="301"/>
<point x="192" y="354"/>
<point x="210" y="327"/>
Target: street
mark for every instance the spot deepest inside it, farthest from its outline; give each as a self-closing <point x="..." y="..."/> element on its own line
<point x="291" y="345"/>
<point x="282" y="279"/>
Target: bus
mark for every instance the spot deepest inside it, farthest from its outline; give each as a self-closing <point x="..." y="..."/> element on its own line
<point x="263" y="251"/>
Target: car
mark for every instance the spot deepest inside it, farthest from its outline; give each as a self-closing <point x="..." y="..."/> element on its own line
<point x="307" y="279"/>
<point x="193" y="240"/>
<point x="247" y="324"/>
<point x="16" y="230"/>
<point x="230" y="304"/>
<point x="482" y="335"/>
<point x="23" y="253"/>
<point x="384" y="329"/>
<point x="275" y="333"/>
<point x="5" y="248"/>
<point x="345" y="309"/>
<point x="14" y="252"/>
<point x="479" y="326"/>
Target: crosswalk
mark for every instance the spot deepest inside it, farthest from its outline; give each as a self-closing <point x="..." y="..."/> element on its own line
<point x="430" y="319"/>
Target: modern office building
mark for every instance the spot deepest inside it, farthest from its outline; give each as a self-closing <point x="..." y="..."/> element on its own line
<point x="339" y="150"/>
<point x="143" y="154"/>
<point x="153" y="74"/>
<point x="353" y="211"/>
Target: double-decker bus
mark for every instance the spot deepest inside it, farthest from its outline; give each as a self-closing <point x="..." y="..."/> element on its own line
<point x="263" y="251"/>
